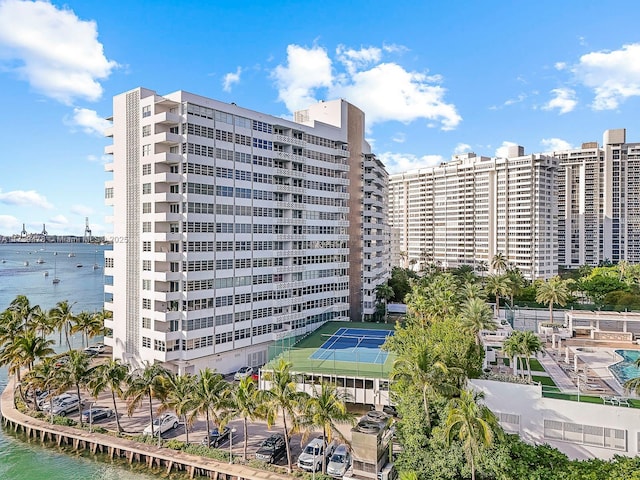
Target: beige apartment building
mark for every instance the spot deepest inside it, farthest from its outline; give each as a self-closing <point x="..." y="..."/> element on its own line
<point x="465" y="211"/>
<point x="233" y="228"/>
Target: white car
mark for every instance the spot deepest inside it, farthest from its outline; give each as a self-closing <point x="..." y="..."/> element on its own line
<point x="244" y="372"/>
<point x="67" y="404"/>
<point x="339" y="462"/>
<point x="163" y="423"/>
<point x="313" y="455"/>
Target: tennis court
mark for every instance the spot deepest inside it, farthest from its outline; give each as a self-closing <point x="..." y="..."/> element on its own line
<point x="354" y="345"/>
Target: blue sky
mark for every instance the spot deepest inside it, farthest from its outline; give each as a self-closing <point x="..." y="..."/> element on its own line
<point x="434" y="78"/>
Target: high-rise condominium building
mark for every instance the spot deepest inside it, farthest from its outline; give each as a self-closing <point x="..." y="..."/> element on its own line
<point x="466" y="211"/>
<point x="233" y="228"/>
<point x="599" y="202"/>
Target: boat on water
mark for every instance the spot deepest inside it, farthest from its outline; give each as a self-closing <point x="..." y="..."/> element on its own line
<point x="45" y="273"/>
<point x="56" y="280"/>
<point x="26" y="264"/>
<point x="79" y="265"/>
<point x="40" y="261"/>
<point x="71" y="254"/>
<point x="55" y="253"/>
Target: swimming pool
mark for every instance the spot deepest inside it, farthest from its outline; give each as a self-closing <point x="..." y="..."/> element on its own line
<point x="625" y="369"/>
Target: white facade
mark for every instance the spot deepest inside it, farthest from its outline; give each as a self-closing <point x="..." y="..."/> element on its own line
<point x="598" y="207"/>
<point x="472" y="208"/>
<point x="233" y="228"/>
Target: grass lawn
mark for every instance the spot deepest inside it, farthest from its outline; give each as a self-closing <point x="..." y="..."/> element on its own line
<point x="536" y="366"/>
<point x="299" y="354"/>
<point x="546" y="381"/>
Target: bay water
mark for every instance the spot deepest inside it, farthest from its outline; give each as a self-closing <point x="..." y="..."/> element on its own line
<point x="82" y="286"/>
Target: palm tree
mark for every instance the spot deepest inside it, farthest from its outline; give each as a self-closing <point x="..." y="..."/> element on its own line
<point x="110" y="375"/>
<point x="75" y="373"/>
<point x="385" y="293"/>
<point x="180" y="398"/>
<point x="513" y="349"/>
<point x="40" y="322"/>
<point x="433" y="377"/>
<point x="499" y="263"/>
<point x="476" y="315"/>
<point x="63" y="318"/>
<point x="211" y="397"/>
<point x="148" y="382"/>
<point x="325" y="409"/>
<point x="497" y="285"/>
<point x="516" y="282"/>
<point x="89" y="324"/>
<point x="245" y="402"/>
<point x="282" y="397"/>
<point x="471" y="423"/>
<point x="553" y="291"/>
<point x="29" y="347"/>
<point x="47" y="378"/>
<point x="530" y="345"/>
<point x="634" y="383"/>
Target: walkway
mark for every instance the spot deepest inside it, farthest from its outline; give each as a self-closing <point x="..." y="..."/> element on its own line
<point x="559" y="376"/>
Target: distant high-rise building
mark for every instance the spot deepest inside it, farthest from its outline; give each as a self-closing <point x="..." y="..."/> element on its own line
<point x="599" y="202"/>
<point x="233" y="228"/>
<point x="466" y="211"/>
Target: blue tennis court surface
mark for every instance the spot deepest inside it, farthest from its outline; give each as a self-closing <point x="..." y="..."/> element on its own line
<point x="354" y="345"/>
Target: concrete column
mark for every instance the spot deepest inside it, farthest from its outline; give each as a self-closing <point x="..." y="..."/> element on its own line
<point x="566" y="355"/>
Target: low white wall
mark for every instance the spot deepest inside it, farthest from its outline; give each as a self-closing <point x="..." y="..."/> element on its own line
<point x="523" y="410"/>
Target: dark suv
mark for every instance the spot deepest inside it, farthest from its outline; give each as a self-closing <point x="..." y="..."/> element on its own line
<point x="272" y="449"/>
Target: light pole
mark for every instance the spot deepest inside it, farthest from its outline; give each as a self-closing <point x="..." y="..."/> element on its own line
<point x="233" y="430"/>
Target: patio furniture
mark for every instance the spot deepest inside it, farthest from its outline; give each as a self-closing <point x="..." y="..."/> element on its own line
<point x="606" y="399"/>
<point x="622" y="401"/>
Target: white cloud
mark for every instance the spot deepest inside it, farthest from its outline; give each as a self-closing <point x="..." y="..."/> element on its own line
<point x="555" y="144"/>
<point x="385" y="91"/>
<point x="82" y="210"/>
<point x="402" y="162"/>
<point x="564" y="100"/>
<point x="231" y="78"/>
<point x="9" y="224"/>
<point x="462" y="148"/>
<point x="560" y="65"/>
<point x="354" y="60"/>
<point x="24" y="198"/>
<point x="88" y="121"/>
<point x="614" y="76"/>
<point x="306" y="71"/>
<point x="56" y="52"/>
<point x="520" y="98"/>
<point x="503" y="150"/>
<point x="399" y="137"/>
<point x="58" y="221"/>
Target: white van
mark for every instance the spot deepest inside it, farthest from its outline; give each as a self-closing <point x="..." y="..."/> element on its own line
<point x="339" y="462"/>
<point x="314" y="454"/>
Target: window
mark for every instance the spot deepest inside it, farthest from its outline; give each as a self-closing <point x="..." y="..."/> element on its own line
<point x="146" y="284"/>
<point x="146" y="188"/>
<point x="146" y="303"/>
<point x="146" y="342"/>
<point x="146" y="265"/>
<point x="146" y="207"/>
<point x="174" y="208"/>
<point x="108" y="192"/>
<point x="146" y="169"/>
<point x="146" y="130"/>
<point x="146" y="322"/>
<point x="146" y="111"/>
<point x="146" y="227"/>
<point x="146" y="150"/>
<point x="146" y="246"/>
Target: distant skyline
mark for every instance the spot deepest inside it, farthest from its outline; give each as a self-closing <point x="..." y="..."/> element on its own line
<point x="433" y="78"/>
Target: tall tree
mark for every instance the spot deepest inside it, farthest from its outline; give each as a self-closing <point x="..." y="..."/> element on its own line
<point x="245" y="402"/>
<point x="475" y="316"/>
<point x="499" y="263"/>
<point x="282" y="398"/>
<point x="498" y="286"/>
<point x="326" y="408"/>
<point x="180" y="398"/>
<point x="473" y="424"/>
<point x="384" y="293"/>
<point x="76" y="373"/>
<point x="63" y="317"/>
<point x="211" y="397"/>
<point x="553" y="291"/>
<point x="531" y="345"/>
<point x="87" y="323"/>
<point x="148" y="382"/>
<point x="28" y="347"/>
<point x="46" y="378"/>
<point x="512" y="347"/>
<point x="110" y="375"/>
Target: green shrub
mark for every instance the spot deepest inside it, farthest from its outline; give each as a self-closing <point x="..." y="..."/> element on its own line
<point x="175" y="444"/>
<point x="64" y="421"/>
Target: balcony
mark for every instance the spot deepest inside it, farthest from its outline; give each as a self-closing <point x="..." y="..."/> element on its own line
<point x="166" y="118"/>
<point x="108" y="149"/>
<point x="289" y="140"/>
<point x="108" y="167"/>
<point x="108" y="132"/>
<point x="166" y="138"/>
<point x="166" y="157"/>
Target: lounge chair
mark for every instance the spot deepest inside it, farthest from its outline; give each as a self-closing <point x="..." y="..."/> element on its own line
<point x="608" y="399"/>
<point x="622" y="401"/>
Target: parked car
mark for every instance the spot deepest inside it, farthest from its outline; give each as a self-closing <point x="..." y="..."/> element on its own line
<point x="45" y="401"/>
<point x="100" y="347"/>
<point x="272" y="448"/>
<point x="90" y="351"/>
<point x="65" y="405"/>
<point x="216" y="437"/>
<point x="243" y="373"/>
<point x="314" y="454"/>
<point x="61" y="362"/>
<point x="339" y="462"/>
<point x="162" y="423"/>
<point x="96" y="414"/>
